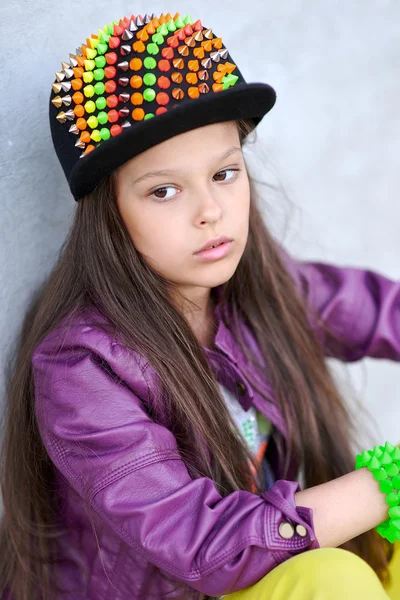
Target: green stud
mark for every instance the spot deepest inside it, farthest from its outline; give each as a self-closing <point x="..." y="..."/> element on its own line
<point x="229" y="80"/>
<point x="149" y="94"/>
<point x="98" y="74"/>
<point x="157" y="38"/>
<point x="188" y="20"/>
<point x="152" y="48"/>
<point x="92" y="122"/>
<point x="99" y="89"/>
<point x="101" y="103"/>
<point x="100" y="61"/>
<point x="379" y="475"/>
<point x="396" y="454"/>
<point x="389" y="447"/>
<point x="88" y="77"/>
<point x="150" y="62"/>
<point x="104" y="37"/>
<point x="102" y="48"/>
<point x="105" y="133"/>
<point x="148" y="116"/>
<point x="392" y="470"/>
<point x="377" y="451"/>
<point x="149" y="79"/>
<point x="366" y="456"/>
<point x="385" y="459"/>
<point x="179" y="23"/>
<point x="359" y="461"/>
<point x="110" y="28"/>
<point x="96" y="136"/>
<point x="394" y="512"/>
<point x="102" y="117"/>
<point x="374" y="463"/>
<point x="396" y="523"/>
<point x="386" y="486"/>
<point x="396" y="482"/>
<point x="171" y="25"/>
<point x="90" y="106"/>
<point x="163" y="29"/>
<point x="392" y="499"/>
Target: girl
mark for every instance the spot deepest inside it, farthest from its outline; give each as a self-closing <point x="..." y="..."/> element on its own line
<point x="170" y="392"/>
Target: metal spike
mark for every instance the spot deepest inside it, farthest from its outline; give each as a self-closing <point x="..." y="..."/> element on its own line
<point x="208" y="34"/>
<point x="56" y="87"/>
<point x="80" y="144"/>
<point x="203" y="75"/>
<point x="73" y="129"/>
<point x="124" y="97"/>
<point x="123" y="81"/>
<point x="206" y="63"/>
<point x="139" y="22"/>
<point x="125" y="50"/>
<point x="61" y="117"/>
<point x="127" y="35"/>
<point x="132" y="26"/>
<point x="78" y="52"/>
<point x="60" y="76"/>
<point x="64" y="65"/>
<point x="82" y="155"/>
<point x="66" y="86"/>
<point x="198" y="36"/>
<point x="153" y="16"/>
<point x="224" y="53"/>
<point x="67" y="100"/>
<point x="123" y="112"/>
<point x="124" y="66"/>
<point x="70" y="115"/>
<point x="215" y="56"/>
<point x="69" y="73"/>
<point x="126" y="124"/>
<point x="72" y="60"/>
<point x="147" y="18"/>
<point x="57" y="102"/>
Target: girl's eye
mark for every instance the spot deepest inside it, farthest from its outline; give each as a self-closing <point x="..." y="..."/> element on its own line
<point x="164" y="190"/>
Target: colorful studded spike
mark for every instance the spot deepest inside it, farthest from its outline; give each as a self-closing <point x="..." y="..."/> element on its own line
<point x="136" y="69"/>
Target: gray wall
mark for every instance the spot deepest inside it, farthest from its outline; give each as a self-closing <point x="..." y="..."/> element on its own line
<point x="332" y="141"/>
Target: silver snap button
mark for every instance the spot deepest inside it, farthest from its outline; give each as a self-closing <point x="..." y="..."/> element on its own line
<point x="301" y="530"/>
<point x="286" y="530"/>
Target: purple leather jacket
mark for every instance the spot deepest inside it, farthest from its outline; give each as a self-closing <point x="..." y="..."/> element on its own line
<point x="138" y="525"/>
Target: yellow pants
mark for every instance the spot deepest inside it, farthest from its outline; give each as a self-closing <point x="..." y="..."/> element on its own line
<point x="323" y="574"/>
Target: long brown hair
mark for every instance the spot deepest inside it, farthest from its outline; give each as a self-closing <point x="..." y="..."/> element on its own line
<point x="100" y="267"/>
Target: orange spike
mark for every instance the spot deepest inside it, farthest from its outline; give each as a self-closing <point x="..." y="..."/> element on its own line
<point x="162" y="19"/>
<point x="81" y="61"/>
<point x="217" y="87"/>
<point x="156" y="22"/>
<point x="142" y="35"/>
<point x="207" y="45"/>
<point x="168" y="17"/>
<point x="176" y="16"/>
<point x="78" y="72"/>
<point x="217" y="43"/>
<point x="150" y="28"/>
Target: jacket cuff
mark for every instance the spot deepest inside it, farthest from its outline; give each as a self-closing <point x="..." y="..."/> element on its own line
<point x="289" y="529"/>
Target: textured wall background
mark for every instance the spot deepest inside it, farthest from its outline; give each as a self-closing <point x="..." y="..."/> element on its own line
<point x="332" y="140"/>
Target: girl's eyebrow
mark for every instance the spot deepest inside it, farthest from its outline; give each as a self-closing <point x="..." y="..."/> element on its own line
<point x="166" y="172"/>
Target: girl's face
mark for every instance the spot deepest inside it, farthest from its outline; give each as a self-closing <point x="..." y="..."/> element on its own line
<point x="180" y="194"/>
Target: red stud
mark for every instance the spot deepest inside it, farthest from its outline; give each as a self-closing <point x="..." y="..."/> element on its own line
<point x="112" y="101"/>
<point x="167" y="53"/>
<point x="164" y="65"/>
<point x="110" y="86"/>
<point x="114" y="42"/>
<point x="110" y="72"/>
<point x="118" y="30"/>
<point x="180" y="34"/>
<point x="115" y="130"/>
<point x="161" y="110"/>
<point x="111" y="58"/>
<point x="162" y="98"/>
<point x="188" y="30"/>
<point x="113" y="116"/>
<point x="173" y="41"/>
<point x="198" y="26"/>
<point x="163" y="82"/>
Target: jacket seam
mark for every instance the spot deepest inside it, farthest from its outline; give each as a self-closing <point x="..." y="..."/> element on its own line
<point x="130" y="467"/>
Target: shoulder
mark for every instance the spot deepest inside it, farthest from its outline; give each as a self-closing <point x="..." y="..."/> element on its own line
<point x="78" y="345"/>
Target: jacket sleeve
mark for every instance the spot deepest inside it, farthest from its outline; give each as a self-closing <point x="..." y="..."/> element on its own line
<point x="91" y="412"/>
<point x="360" y="309"/>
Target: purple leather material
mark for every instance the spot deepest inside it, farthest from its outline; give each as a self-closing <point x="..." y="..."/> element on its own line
<point x="137" y="523"/>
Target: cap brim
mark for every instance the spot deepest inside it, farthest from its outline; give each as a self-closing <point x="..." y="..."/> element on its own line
<point x="244" y="101"/>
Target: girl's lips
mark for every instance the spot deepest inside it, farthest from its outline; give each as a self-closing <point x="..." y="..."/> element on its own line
<point x="214" y="253"/>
